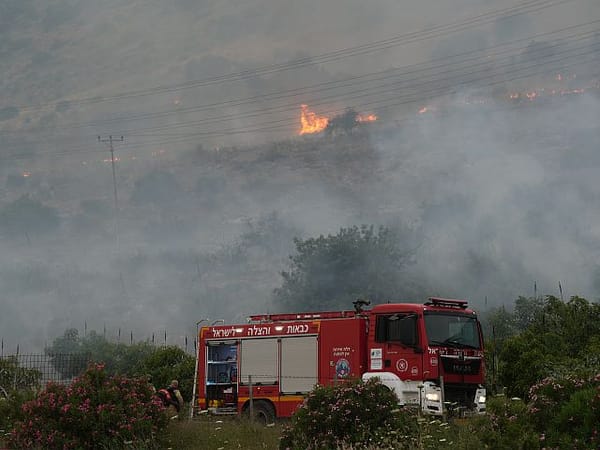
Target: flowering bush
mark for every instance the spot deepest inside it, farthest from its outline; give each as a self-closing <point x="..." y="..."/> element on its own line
<point x="566" y="410"/>
<point x="17" y="385"/>
<point x="10" y="407"/>
<point x="96" y="411"/>
<point x="506" y="425"/>
<point x="357" y="414"/>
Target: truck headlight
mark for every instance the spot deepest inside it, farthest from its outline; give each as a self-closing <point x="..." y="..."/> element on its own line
<point x="481" y="399"/>
<point x="432" y="396"/>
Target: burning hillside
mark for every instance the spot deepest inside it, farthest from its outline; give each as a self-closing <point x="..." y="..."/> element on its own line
<point x="311" y="123"/>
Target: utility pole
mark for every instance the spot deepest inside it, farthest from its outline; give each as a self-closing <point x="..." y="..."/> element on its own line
<point x="110" y="141"/>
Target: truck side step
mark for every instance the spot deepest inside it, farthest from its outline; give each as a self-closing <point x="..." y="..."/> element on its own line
<point x="223" y="411"/>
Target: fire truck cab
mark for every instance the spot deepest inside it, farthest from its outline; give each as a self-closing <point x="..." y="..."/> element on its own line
<point x="429" y="354"/>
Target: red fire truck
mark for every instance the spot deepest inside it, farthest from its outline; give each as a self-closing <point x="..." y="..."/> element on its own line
<point x="430" y="355"/>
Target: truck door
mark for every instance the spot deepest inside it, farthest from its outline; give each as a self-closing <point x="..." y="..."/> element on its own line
<point x="298" y="364"/>
<point x="258" y="361"/>
<point x="398" y="346"/>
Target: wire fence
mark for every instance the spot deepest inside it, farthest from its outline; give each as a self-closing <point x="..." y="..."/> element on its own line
<point x="186" y="342"/>
<point x="25" y="371"/>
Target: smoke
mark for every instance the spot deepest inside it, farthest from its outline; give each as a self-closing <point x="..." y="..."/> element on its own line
<point x="502" y="195"/>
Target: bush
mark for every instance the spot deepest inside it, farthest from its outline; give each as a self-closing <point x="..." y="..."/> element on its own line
<point x="357" y="414"/>
<point x="17" y="385"/>
<point x="11" y="407"/>
<point x="15" y="377"/>
<point x="169" y="363"/>
<point x="96" y="411"/>
<point x="507" y="425"/>
<point x="566" y="411"/>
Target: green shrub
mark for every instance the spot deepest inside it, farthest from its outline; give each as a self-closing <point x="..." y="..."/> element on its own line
<point x="357" y="414"/>
<point x="507" y="425"/>
<point x="565" y="410"/>
<point x="17" y="385"/>
<point x="11" y="407"/>
<point x="96" y="411"/>
<point x="169" y="363"/>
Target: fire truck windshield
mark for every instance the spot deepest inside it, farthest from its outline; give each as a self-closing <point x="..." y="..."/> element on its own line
<point x="452" y="330"/>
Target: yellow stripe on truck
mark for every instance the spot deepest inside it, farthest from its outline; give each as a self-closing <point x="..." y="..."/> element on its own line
<point x="287" y="398"/>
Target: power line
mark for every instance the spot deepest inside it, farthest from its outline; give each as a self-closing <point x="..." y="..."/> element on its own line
<point x="528" y="6"/>
<point x="270" y="126"/>
<point x="441" y="63"/>
<point x="380" y="105"/>
<point x="435" y="90"/>
<point x="356" y="93"/>
<point x="420" y="77"/>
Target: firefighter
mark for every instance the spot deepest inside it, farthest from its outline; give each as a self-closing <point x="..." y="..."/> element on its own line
<point x="171" y="397"/>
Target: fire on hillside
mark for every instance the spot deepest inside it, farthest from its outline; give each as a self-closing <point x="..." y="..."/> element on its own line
<point x="311" y="122"/>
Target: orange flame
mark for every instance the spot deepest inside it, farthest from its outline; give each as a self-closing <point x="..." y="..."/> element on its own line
<point x="531" y="95"/>
<point x="310" y="122"/>
<point x="367" y="118"/>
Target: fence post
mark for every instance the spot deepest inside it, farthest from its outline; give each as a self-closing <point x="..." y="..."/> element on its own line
<point x="194" y="400"/>
<point x="16" y="370"/>
<point x="251" y="406"/>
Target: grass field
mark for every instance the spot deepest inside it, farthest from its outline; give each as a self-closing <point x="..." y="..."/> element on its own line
<point x="217" y="433"/>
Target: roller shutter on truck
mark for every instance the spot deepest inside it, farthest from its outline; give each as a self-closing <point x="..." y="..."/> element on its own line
<point x="298" y="364"/>
<point x="259" y="360"/>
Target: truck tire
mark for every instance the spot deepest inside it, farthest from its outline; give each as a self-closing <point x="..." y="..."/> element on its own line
<point x="264" y="412"/>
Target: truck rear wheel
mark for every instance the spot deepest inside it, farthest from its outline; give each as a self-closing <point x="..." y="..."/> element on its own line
<point x="264" y="412"/>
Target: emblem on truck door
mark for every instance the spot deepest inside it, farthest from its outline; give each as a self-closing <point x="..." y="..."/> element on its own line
<point x="342" y="368"/>
<point x="402" y="365"/>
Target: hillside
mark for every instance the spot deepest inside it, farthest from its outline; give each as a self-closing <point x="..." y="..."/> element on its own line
<point x="490" y="171"/>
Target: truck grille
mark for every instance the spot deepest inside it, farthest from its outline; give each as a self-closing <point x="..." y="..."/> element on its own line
<point x="461" y="366"/>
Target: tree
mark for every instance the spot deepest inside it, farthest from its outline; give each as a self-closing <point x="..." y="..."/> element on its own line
<point x="333" y="271"/>
<point x="140" y="359"/>
<point x="345" y="122"/>
<point x="26" y="215"/>
<point x="170" y="363"/>
<point x="498" y="326"/>
<point x="71" y="353"/>
<point x="563" y="338"/>
<point x="527" y="311"/>
<point x="62" y="353"/>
